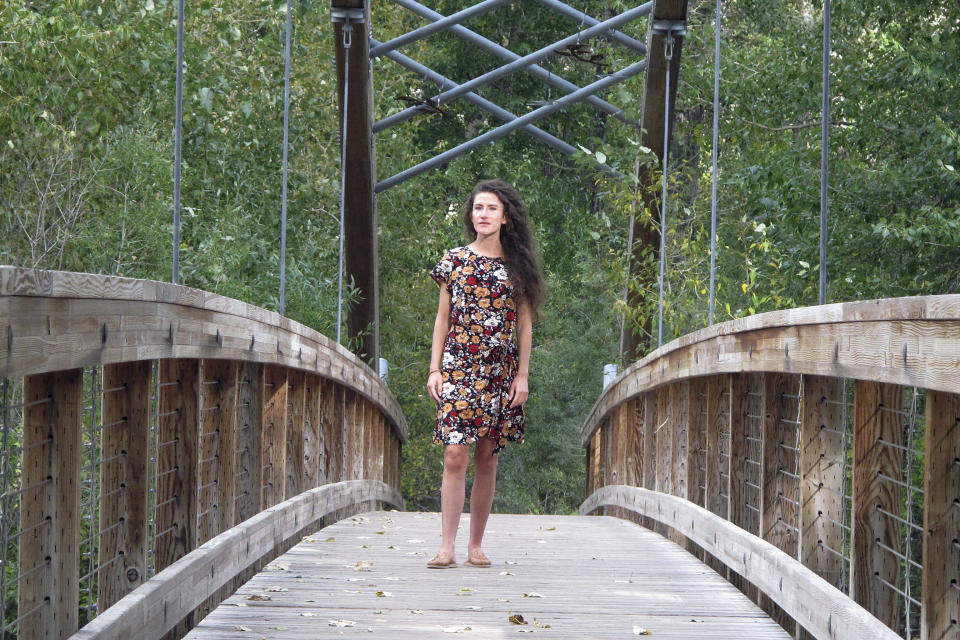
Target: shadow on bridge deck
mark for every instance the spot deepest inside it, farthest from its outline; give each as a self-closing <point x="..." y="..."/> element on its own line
<point x="568" y="576"/>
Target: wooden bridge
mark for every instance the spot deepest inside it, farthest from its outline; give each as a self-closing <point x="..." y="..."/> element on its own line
<point x="167" y="449"/>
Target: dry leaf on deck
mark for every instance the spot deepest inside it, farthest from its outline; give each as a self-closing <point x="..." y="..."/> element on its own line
<point x="640" y="631"/>
<point x="516" y="619"/>
<point x="259" y="598"/>
<point x="532" y="594"/>
<point x="341" y="623"/>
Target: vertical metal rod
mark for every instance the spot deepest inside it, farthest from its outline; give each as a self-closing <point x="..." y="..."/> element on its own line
<point x="347" y="40"/>
<point x="907" y="548"/>
<point x="716" y="138"/>
<point x="824" y="149"/>
<point x="5" y="470"/>
<point x="92" y="489"/>
<point x="286" y="144"/>
<point x="178" y="146"/>
<point x="668" y="57"/>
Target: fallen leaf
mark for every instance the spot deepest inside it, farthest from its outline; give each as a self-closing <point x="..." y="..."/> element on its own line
<point x="516" y="619"/>
<point x="259" y="598"/>
<point x="526" y="630"/>
<point x="507" y="573"/>
<point x="510" y="562"/>
<point x="330" y="539"/>
<point x="309" y="614"/>
<point x="380" y="533"/>
<point x="242" y="628"/>
<point x="537" y="623"/>
<point x="392" y="547"/>
<point x="363" y="565"/>
<point x="417" y="612"/>
<point x="474" y="607"/>
<point x="532" y="594"/>
<point x="640" y="631"/>
<point x="279" y="566"/>
<point x="307" y="539"/>
<point x="341" y="623"/>
<point x="384" y="594"/>
<point x="459" y="629"/>
<point x="276" y="589"/>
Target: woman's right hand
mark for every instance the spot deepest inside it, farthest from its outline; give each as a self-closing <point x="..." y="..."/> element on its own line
<point x="435" y="384"/>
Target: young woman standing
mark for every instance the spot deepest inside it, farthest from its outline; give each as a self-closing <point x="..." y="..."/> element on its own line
<point x="490" y="293"/>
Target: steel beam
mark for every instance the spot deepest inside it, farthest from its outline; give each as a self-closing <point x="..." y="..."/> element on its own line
<point x="359" y="201"/>
<point x="505" y="54"/>
<point x="445" y="83"/>
<point x="520" y="63"/>
<point x="503" y="130"/>
<point x="583" y="18"/>
<point x="635" y="341"/>
<point x="439" y="25"/>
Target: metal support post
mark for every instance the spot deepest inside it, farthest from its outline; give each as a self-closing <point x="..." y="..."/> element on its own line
<point x="359" y="210"/>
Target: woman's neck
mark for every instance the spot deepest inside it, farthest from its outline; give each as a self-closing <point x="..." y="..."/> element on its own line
<point x="488" y="246"/>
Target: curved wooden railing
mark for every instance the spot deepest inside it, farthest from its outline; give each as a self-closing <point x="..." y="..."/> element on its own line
<point x="751" y="420"/>
<point x="176" y="415"/>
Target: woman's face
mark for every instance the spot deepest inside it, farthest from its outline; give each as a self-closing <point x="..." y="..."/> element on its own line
<point x="487" y="214"/>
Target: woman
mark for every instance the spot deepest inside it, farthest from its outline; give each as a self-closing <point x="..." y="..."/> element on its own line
<point x="490" y="292"/>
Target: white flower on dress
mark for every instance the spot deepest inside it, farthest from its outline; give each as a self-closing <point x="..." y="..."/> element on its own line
<point x="447" y="359"/>
<point x="448" y="388"/>
<point x="500" y="274"/>
<point x="454" y="437"/>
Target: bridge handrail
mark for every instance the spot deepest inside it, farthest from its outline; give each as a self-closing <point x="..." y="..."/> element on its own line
<point x="158" y="605"/>
<point x="142" y="419"/>
<point x="819" y="607"/>
<point x="831" y="432"/>
<point x="60" y="320"/>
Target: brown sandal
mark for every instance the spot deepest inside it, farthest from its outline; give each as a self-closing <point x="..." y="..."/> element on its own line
<point x="441" y="561"/>
<point x="476" y="558"/>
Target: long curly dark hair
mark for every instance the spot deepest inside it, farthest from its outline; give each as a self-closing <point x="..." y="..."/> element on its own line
<point x="519" y="246"/>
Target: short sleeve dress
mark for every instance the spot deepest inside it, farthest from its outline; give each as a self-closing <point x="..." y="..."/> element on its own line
<point x="480" y="356"/>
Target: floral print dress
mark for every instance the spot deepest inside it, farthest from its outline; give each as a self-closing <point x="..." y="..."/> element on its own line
<point x="480" y="356"/>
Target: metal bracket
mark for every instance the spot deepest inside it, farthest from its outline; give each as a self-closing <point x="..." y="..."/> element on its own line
<point x="344" y="14"/>
<point x="675" y="27"/>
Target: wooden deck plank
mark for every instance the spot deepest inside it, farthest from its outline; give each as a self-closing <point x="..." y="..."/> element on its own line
<point x="598" y="577"/>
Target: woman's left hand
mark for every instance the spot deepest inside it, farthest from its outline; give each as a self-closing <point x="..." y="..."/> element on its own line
<point x="518" y="391"/>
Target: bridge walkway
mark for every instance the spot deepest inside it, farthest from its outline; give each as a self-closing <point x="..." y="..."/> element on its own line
<point x="567" y="576"/>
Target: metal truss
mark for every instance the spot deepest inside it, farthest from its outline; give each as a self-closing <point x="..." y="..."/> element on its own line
<point x="449" y="90"/>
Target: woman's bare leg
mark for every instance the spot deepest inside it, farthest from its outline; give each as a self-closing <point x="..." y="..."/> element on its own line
<point x="481" y="496"/>
<point x="455" y="460"/>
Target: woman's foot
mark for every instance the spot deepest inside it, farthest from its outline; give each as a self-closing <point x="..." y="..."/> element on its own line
<point x="477" y="558"/>
<point x="442" y="560"/>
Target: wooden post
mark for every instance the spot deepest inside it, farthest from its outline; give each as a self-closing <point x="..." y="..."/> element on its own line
<point x="313" y="458"/>
<point x="594" y="474"/>
<point x="360" y="216"/>
<point x="331" y="412"/>
<point x="735" y="496"/>
<point x="50" y="510"/>
<point x="274" y="433"/>
<point x="696" y="441"/>
<point x="353" y="443"/>
<point x="679" y="437"/>
<point x="649" y="400"/>
<point x="218" y="419"/>
<point x="822" y="471"/>
<point x="177" y="433"/>
<point x="778" y="491"/>
<point x="249" y="449"/>
<point x="663" y="431"/>
<point x="716" y="424"/>
<point x="636" y="422"/>
<point x="294" y="466"/>
<point x="124" y="480"/>
<point x="874" y="425"/>
<point x="941" y="518"/>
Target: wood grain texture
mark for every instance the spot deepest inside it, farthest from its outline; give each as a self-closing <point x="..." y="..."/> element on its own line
<point x="249" y="454"/>
<point x="816" y="605"/>
<point x="598" y="590"/>
<point x="859" y="340"/>
<point x="823" y="453"/>
<point x="875" y="422"/>
<point x="178" y="433"/>
<point x="162" y="602"/>
<point x="57" y="321"/>
<point x="124" y="481"/>
<point x="49" y="553"/>
<point x="274" y="433"/>
<point x="941" y="519"/>
<point x="293" y="467"/>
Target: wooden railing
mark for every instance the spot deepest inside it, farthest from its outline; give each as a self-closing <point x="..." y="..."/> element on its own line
<point x="142" y="420"/>
<point x="752" y="421"/>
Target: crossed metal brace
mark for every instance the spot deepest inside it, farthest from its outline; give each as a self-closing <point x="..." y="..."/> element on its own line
<point x="451" y="90"/>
